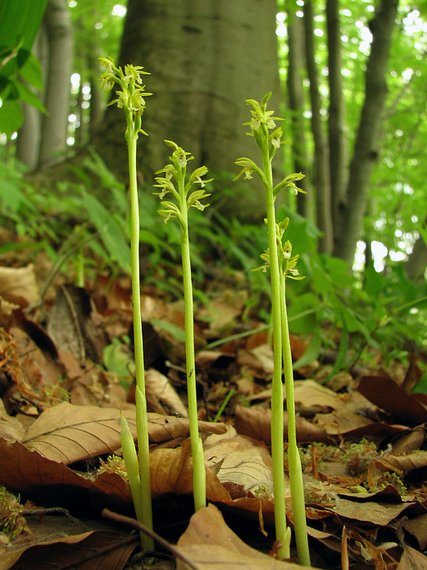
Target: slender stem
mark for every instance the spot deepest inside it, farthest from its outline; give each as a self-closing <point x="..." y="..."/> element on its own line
<point x="141" y="405"/>
<point x="199" y="474"/>
<point x="295" y="469"/>
<point x="282" y="532"/>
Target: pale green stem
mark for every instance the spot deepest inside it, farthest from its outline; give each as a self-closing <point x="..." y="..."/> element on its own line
<point x="80" y="268"/>
<point x="199" y="473"/>
<point x="282" y="532"/>
<point x="295" y="469"/>
<point x="141" y="407"/>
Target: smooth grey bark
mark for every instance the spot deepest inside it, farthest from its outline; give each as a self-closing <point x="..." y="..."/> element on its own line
<point x="367" y="139"/>
<point x="205" y="59"/>
<point x="417" y="261"/>
<point x="29" y="135"/>
<point x="294" y="82"/>
<point x="320" y="159"/>
<point x="336" y="113"/>
<point x="59" y="36"/>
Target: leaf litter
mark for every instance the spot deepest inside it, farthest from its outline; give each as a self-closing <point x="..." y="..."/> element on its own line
<point x="362" y="440"/>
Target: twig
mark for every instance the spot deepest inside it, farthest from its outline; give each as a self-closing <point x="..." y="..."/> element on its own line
<point x="142" y="528"/>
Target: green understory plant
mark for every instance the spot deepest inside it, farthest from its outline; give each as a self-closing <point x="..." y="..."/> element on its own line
<point x="186" y="191"/>
<point x="131" y="95"/>
<point x="268" y="138"/>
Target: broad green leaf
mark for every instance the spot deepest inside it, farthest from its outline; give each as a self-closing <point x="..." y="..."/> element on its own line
<point x="11" y="117"/>
<point x="110" y="230"/>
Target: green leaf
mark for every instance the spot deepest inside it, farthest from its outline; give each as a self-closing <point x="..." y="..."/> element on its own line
<point x="310" y="353"/>
<point x="11" y="117"/>
<point x="19" y="22"/>
<point x="32" y="72"/>
<point x="177" y="332"/>
<point x="110" y="230"/>
<point x="29" y="97"/>
<point x="302" y="313"/>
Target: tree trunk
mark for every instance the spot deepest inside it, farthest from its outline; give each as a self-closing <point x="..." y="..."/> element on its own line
<point x="59" y="36"/>
<point x="417" y="261"/>
<point x="336" y="113"/>
<point x="367" y="139"/>
<point x="296" y="106"/>
<point x="205" y="58"/>
<point x="29" y="135"/>
<point x="321" y="171"/>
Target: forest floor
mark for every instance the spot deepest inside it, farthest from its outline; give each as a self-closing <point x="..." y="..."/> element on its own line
<point x="66" y="378"/>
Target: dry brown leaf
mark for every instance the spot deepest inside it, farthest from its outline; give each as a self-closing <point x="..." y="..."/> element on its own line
<point x="210" y="544"/>
<point x="386" y="394"/>
<point x="11" y="428"/>
<point x="19" y="285"/>
<point x="258" y="359"/>
<point x="311" y="394"/>
<point x="417" y="527"/>
<point x="22" y="470"/>
<point x="412" y="559"/>
<point x="221" y="312"/>
<point x="380" y="514"/>
<point x="256" y="422"/>
<point x="65" y="541"/>
<point x="243" y="465"/>
<point x="69" y="433"/>
<point x="172" y="472"/>
<point x="402" y="463"/>
<point x="161" y="395"/>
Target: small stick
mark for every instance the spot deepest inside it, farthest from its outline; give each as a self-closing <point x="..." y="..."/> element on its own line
<point x="142" y="528"/>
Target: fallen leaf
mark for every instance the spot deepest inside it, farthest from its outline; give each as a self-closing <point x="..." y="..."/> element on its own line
<point x="380" y="514"/>
<point x="256" y="422"/>
<point x="412" y="559"/>
<point x="64" y="541"/>
<point x="417" y="527"/>
<point x="162" y="397"/>
<point x="210" y="544"/>
<point x="386" y="394"/>
<point x="172" y="472"/>
<point x="402" y="463"/>
<point x="19" y="285"/>
<point x="69" y="433"/>
<point x="243" y="465"/>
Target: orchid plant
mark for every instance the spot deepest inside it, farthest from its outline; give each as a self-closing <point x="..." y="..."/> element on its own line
<point x="131" y="94"/>
<point x="185" y="191"/>
<point x="278" y="259"/>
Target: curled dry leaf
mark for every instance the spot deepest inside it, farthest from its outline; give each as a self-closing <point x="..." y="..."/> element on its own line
<point x="172" y="472"/>
<point x="256" y="423"/>
<point x="379" y="514"/>
<point x="69" y="433"/>
<point x="74" y="543"/>
<point x="243" y="465"/>
<point x="19" y="285"/>
<point x="402" y="463"/>
<point x="162" y="396"/>
<point x="386" y="394"/>
<point x="212" y="545"/>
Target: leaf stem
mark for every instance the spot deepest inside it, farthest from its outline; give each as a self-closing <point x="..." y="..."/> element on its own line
<point x="282" y="532"/>
<point x="140" y="400"/>
<point x="295" y="469"/>
<point x="199" y="474"/>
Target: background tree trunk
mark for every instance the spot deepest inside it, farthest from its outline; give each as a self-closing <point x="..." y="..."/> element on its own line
<point x="29" y="135"/>
<point x="367" y="141"/>
<point x="205" y="58"/>
<point x="294" y="82"/>
<point x="417" y="261"/>
<point x="336" y="113"/>
<point x="320" y="161"/>
<point x="59" y="36"/>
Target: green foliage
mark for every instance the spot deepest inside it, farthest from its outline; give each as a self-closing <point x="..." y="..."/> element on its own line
<point x="19" y="23"/>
